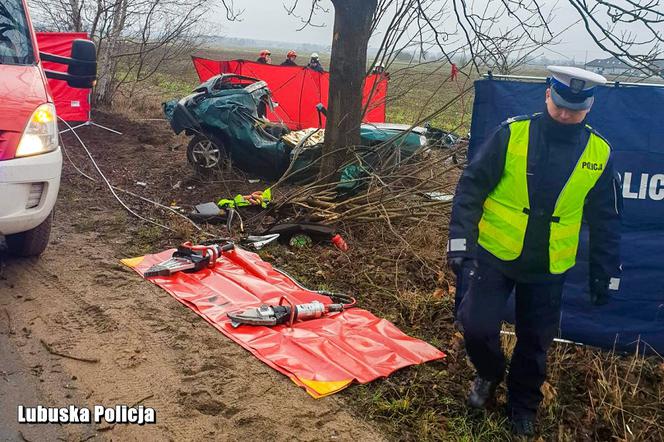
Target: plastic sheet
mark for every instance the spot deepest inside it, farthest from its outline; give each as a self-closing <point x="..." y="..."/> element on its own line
<point x="323" y="356"/>
<point x="297" y="89"/>
<point x="71" y="104"/>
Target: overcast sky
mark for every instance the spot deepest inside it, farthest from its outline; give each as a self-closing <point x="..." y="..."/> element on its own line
<point x="268" y="20"/>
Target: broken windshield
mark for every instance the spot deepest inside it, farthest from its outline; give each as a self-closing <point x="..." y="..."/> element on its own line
<point x="15" y="43"/>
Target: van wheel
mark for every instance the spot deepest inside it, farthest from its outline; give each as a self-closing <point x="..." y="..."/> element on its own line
<point x="30" y="243"/>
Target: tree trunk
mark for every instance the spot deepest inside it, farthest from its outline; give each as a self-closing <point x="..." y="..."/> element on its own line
<point x="107" y="64"/>
<point x="76" y="24"/>
<point x="352" y="29"/>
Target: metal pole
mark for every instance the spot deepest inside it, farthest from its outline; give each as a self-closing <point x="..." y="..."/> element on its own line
<point x="543" y="79"/>
<point x="514" y="77"/>
<point x="91" y="123"/>
<point x="560" y="340"/>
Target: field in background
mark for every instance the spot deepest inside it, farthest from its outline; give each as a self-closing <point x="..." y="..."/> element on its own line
<point x="413" y="92"/>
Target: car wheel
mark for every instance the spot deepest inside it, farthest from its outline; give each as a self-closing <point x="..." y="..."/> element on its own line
<point x="205" y="155"/>
<point x="30" y="243"/>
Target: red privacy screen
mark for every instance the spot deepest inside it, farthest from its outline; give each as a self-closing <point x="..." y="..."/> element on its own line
<point x="71" y="104"/>
<point x="297" y="90"/>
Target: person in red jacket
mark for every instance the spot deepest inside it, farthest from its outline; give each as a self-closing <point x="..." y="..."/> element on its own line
<point x="454" y="72"/>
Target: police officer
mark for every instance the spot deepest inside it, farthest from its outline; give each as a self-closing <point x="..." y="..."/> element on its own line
<point x="515" y="225"/>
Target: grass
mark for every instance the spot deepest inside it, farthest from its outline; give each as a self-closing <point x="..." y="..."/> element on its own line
<point x="171" y="86"/>
<point x="417" y="405"/>
<point x="590" y="394"/>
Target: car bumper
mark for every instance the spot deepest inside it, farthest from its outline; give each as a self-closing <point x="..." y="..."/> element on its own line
<point x="28" y="190"/>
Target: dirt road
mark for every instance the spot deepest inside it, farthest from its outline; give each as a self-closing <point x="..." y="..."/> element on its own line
<point x="78" y="300"/>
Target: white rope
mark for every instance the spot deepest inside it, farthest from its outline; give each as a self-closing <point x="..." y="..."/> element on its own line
<point x="113" y="188"/>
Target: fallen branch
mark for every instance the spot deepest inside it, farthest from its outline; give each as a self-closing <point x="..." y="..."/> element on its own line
<point x="64" y="355"/>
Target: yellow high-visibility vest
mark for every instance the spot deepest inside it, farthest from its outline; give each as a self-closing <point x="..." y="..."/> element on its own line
<point x="502" y="229"/>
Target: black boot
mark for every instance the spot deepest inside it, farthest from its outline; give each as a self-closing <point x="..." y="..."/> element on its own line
<point x="523" y="426"/>
<point x="481" y="392"/>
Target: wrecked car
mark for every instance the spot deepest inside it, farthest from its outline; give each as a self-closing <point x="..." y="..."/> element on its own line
<point x="225" y="116"/>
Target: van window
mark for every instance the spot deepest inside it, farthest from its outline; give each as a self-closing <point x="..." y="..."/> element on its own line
<point x="15" y="43"/>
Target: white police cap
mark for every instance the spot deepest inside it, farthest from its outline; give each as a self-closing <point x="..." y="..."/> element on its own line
<point x="572" y="87"/>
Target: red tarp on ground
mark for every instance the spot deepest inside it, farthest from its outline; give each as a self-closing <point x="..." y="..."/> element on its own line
<point x="297" y="90"/>
<point x="323" y="355"/>
<point x="71" y="104"/>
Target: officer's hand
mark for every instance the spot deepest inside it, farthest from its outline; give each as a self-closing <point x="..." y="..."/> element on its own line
<point x="456" y="264"/>
<point x="599" y="290"/>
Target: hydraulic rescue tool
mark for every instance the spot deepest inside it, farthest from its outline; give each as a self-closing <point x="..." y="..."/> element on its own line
<point x="189" y="258"/>
<point x="271" y="315"/>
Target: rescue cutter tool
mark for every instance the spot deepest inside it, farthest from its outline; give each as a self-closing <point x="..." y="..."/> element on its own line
<point x="189" y="258"/>
<point x="271" y="315"/>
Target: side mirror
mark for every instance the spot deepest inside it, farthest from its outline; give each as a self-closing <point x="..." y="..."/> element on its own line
<point x="81" y="66"/>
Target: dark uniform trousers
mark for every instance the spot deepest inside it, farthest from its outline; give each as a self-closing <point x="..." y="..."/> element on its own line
<point x="537" y="317"/>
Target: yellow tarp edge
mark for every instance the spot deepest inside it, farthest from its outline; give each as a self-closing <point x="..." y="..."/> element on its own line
<point x="132" y="262"/>
<point x="319" y="389"/>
